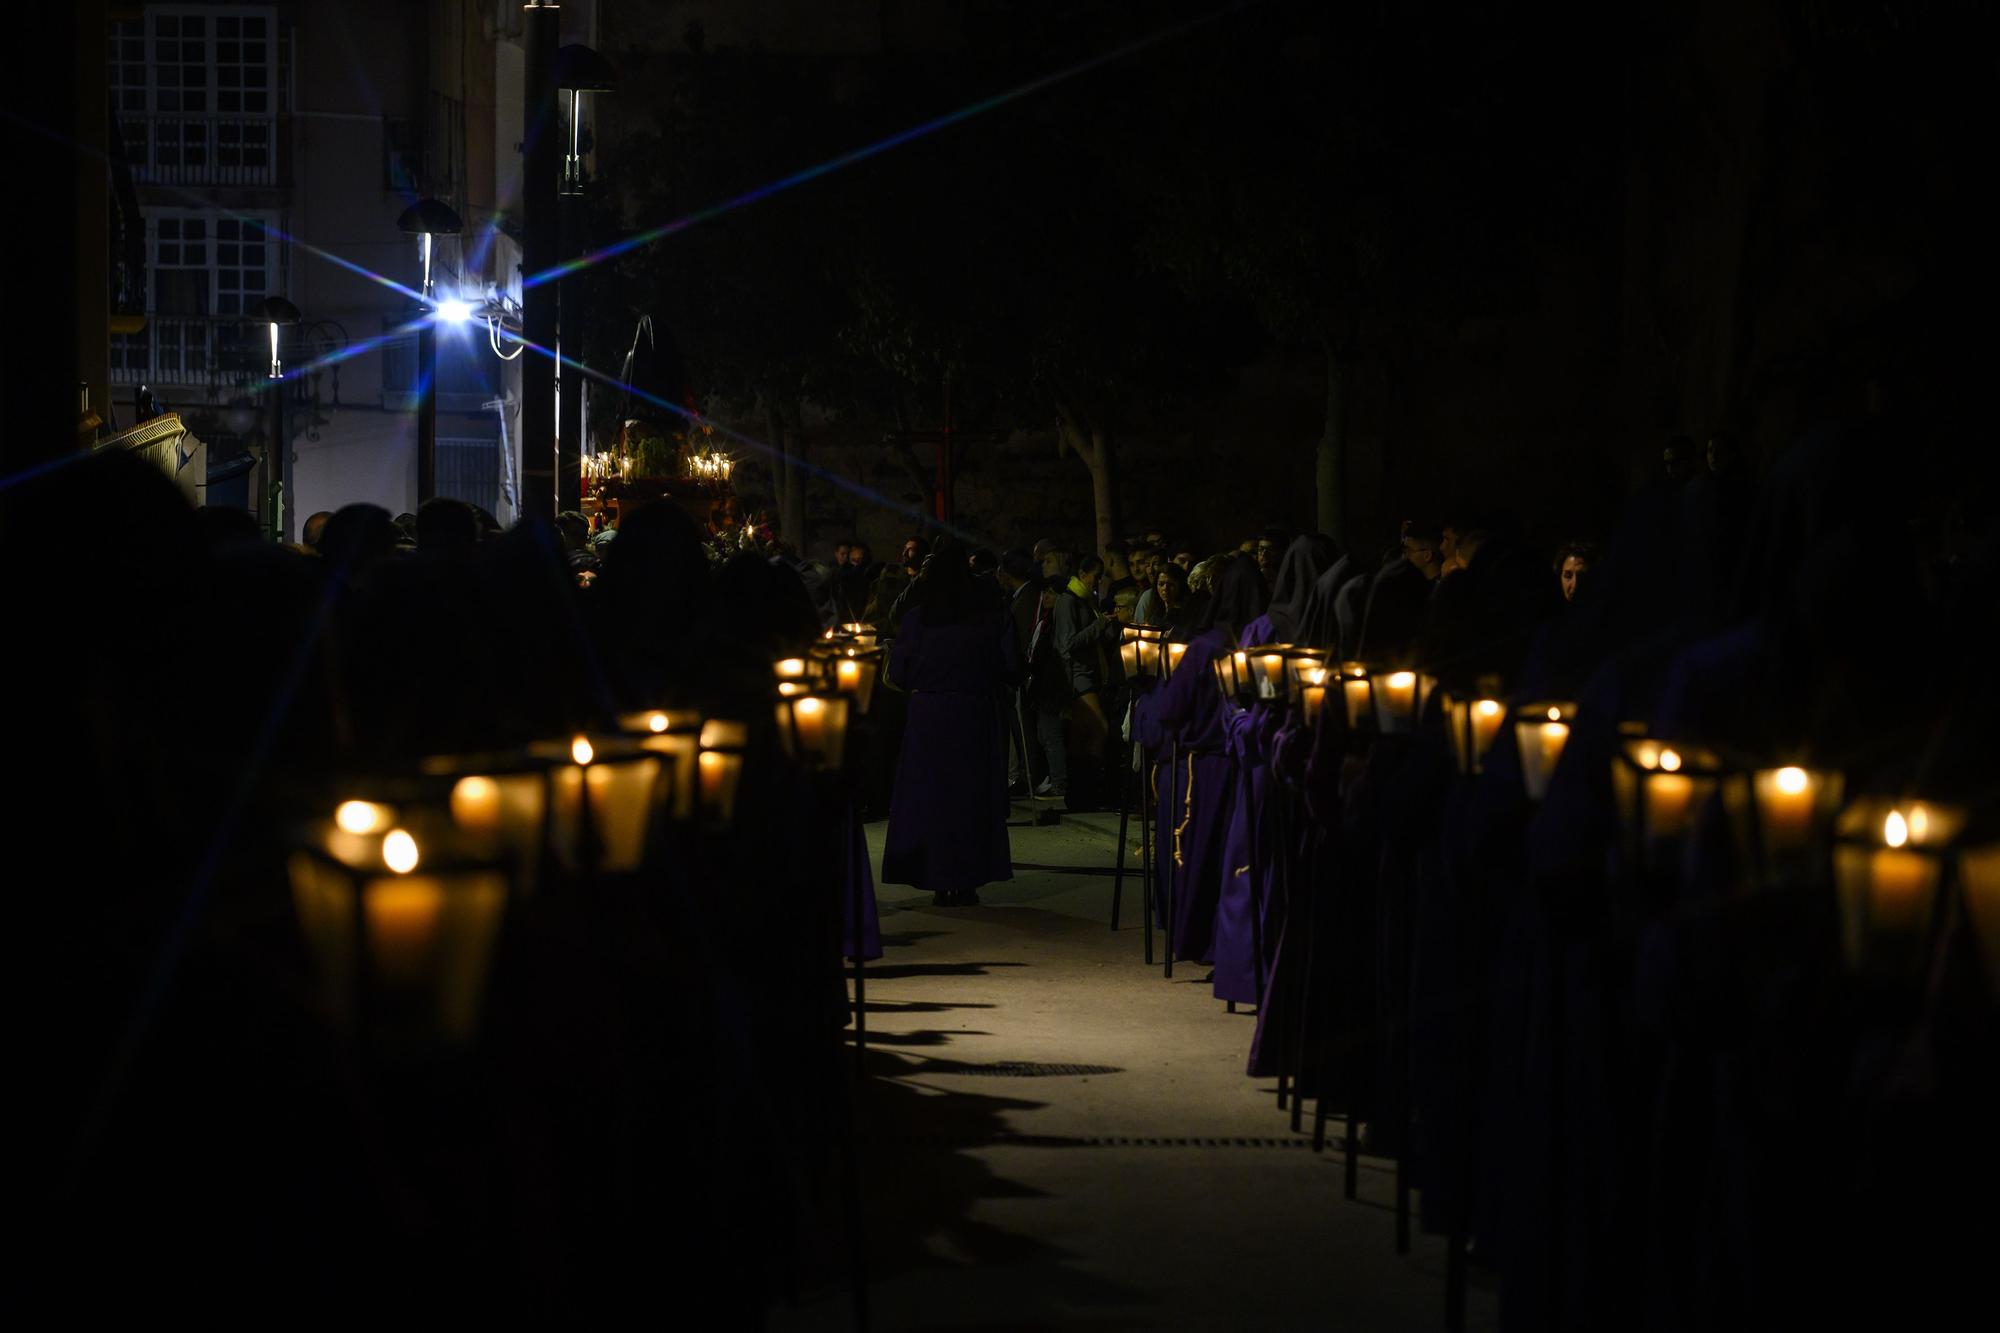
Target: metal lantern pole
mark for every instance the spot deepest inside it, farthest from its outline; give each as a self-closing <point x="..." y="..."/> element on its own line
<point x="430" y="219"/>
<point x="277" y="312"/>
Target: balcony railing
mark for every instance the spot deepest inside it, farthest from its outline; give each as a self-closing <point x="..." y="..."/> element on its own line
<point x="203" y="150"/>
<point x="190" y="350"/>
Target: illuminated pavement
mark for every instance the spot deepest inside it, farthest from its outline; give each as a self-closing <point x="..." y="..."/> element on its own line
<point x="1013" y="1047"/>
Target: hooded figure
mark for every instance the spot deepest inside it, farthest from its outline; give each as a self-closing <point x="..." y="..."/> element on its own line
<point x="1298" y="577"/>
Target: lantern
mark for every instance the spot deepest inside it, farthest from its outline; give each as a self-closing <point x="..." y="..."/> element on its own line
<point x="1263" y="675"/>
<point x="1541" y="730"/>
<point x="673" y="734"/>
<point x="1232" y="673"/>
<point x="799" y="671"/>
<point x="1474" y="724"/>
<point x="1303" y="667"/>
<point x="601" y="800"/>
<point x="1979" y="890"/>
<point x="720" y="767"/>
<point x="400" y="928"/>
<point x="863" y="636"/>
<point x="853" y="672"/>
<point x="1356" y="693"/>
<point x="1312" y="698"/>
<point x="1785" y="814"/>
<point x="1888" y="860"/>
<point x="497" y="803"/>
<point x="1396" y="702"/>
<point x="813" y="729"/>
<point x="1139" y="650"/>
<point x="1171" y="659"/>
<point x="1659" y="786"/>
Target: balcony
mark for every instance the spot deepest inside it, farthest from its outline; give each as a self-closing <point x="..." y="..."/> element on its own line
<point x="204" y="150"/>
<point x="195" y="351"/>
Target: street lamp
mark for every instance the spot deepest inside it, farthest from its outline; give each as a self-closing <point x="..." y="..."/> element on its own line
<point x="578" y="70"/>
<point x="429" y="218"/>
<point x="276" y="313"/>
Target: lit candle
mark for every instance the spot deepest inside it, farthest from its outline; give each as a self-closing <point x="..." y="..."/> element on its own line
<point x="1900" y="882"/>
<point x="1785" y="798"/>
<point x="362" y="817"/>
<point x="1541" y="744"/>
<point x="847" y="675"/>
<point x="1175" y="652"/>
<point x="1354" y="689"/>
<point x="1669" y="797"/>
<point x="1312" y="698"/>
<point x="790" y="668"/>
<point x="1396" y="700"/>
<point x="809" y="724"/>
<point x="1272" y="686"/>
<point x="475" y="806"/>
<point x="402" y="913"/>
<point x="1487" y="715"/>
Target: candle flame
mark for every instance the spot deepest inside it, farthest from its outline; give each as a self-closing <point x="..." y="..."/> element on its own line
<point x="1487" y="707"/>
<point x="809" y="706"/>
<point x="399" y="851"/>
<point x="788" y="688"/>
<point x="1670" y="761"/>
<point x="1555" y="715"/>
<point x="1791" y="781"/>
<point x="792" y="666"/>
<point x="1316" y="676"/>
<point x="658" y="722"/>
<point x="360" y="817"/>
<point x="1403" y="680"/>
<point x="1920" y="823"/>
<point x="581" y="751"/>
<point x="1895" y="829"/>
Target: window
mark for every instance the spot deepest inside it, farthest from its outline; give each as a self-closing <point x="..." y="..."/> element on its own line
<point x="196" y="92"/>
<point x="207" y="270"/>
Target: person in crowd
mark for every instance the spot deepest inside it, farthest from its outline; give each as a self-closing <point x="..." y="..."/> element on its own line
<point x="1118" y="575"/>
<point x="1572" y="563"/>
<point x="953" y="657"/>
<point x="1184" y="557"/>
<point x="574" y="530"/>
<point x="446" y="526"/>
<point x="1304" y="561"/>
<point x="314" y="530"/>
<point x="1269" y="548"/>
<point x="1018" y="582"/>
<point x="840" y="554"/>
<point x="1423" y="543"/>
<point x="1066" y="674"/>
<point x="1170" y="596"/>
<point x="406" y="531"/>
<point x="984" y="562"/>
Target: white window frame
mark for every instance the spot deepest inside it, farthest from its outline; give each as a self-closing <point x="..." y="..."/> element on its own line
<point x="273" y="265"/>
<point x="146" y="129"/>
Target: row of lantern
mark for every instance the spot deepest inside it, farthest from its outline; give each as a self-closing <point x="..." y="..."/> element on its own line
<point x="1895" y="864"/>
<point x="401" y="893"/>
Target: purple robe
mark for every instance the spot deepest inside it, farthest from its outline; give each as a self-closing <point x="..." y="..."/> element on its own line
<point x="948" y="817"/>
<point x="1248" y="913"/>
<point x="1196" y="799"/>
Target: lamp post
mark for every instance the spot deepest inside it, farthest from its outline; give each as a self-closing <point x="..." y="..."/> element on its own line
<point x="541" y="147"/>
<point x="579" y="70"/>
<point x="276" y="313"/>
<point x="428" y="218"/>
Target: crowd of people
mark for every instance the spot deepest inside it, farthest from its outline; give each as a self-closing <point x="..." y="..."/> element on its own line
<point x="1648" y="1099"/>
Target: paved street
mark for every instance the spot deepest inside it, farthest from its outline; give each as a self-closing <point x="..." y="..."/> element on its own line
<point x="1057" y="1137"/>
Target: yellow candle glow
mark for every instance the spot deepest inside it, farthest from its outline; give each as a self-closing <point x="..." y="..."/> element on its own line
<point x="1541" y="744"/>
<point x="809" y="718"/>
<point x="1785" y="801"/>
<point x="1354" y="690"/>
<point x="1487" y="715"/>
<point x="1669" y="799"/>
<point x="1312" y="698"/>
<point x="362" y="816"/>
<point x="581" y="750"/>
<point x="1175" y="652"/>
<point x="399" y="851"/>
<point x="403" y="916"/>
<point x="475" y="805"/>
<point x="1396" y="701"/>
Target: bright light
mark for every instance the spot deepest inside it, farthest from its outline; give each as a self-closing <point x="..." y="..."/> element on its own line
<point x="658" y="722"/>
<point x="1895" y="830"/>
<point x="361" y="817"/>
<point x="809" y="707"/>
<point x="1403" y="680"/>
<point x="581" y="751"/>
<point x="1920" y="823"/>
<point x="454" y="311"/>
<point x="1791" y="781"/>
<point x="1555" y="714"/>
<point x="1670" y="761"/>
<point x="399" y="851"/>
<point x="1487" y="707"/>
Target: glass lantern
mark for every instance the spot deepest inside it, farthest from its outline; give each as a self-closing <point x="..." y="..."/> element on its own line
<point x="1979" y="891"/>
<point x="1356" y="693"/>
<point x="1660" y="786"/>
<point x="675" y="735"/>
<point x="497" y="803"/>
<point x="1170" y="659"/>
<point x="400" y="919"/>
<point x="1303" y="667"/>
<point x="1541" y="730"/>
<point x="1265" y="677"/>
<point x="854" y="673"/>
<point x="813" y="729"/>
<point x="1888" y="864"/>
<point x="1140" y="650"/>
<point x="1785" y="816"/>
<point x="1398" y="702"/>
<point x="1474" y="724"/>
<point x="602" y="793"/>
<point x="1232" y="673"/>
<point x="720" y="767"/>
